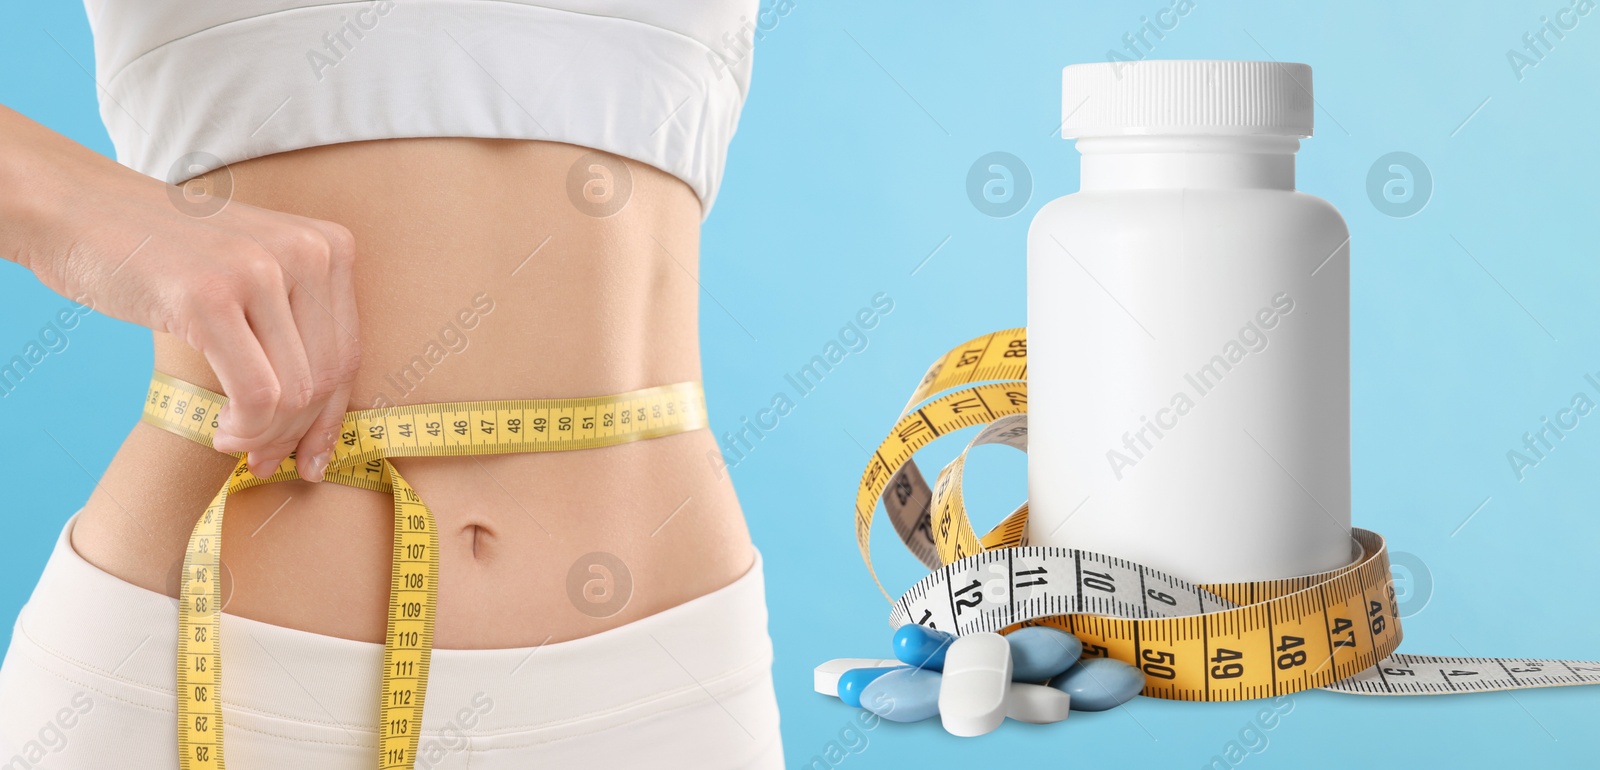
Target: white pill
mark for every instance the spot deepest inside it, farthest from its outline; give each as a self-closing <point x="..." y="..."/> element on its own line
<point x="825" y="679"/>
<point x="977" y="683"/>
<point x="1037" y="703"/>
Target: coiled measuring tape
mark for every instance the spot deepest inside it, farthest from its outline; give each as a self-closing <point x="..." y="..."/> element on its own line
<point x="1336" y="630"/>
<point x="360" y="459"/>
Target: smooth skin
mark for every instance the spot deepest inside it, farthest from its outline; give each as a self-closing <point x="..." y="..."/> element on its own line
<point x="319" y="286"/>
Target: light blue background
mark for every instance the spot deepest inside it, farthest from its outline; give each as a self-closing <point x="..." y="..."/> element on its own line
<point x="850" y="168"/>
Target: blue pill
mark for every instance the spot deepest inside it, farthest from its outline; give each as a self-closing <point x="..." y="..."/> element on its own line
<point x="921" y="646"/>
<point x="853" y="681"/>
<point x="1098" y="684"/>
<point x="1041" y="652"/>
<point x="903" y="695"/>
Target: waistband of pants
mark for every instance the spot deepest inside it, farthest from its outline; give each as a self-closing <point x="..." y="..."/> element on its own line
<point x="713" y="644"/>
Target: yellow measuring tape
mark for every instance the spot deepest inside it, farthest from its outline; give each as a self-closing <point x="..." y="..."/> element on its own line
<point x="1336" y="630"/>
<point x="360" y="459"/>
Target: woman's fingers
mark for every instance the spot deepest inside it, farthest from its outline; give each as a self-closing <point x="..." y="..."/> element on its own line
<point x="324" y="308"/>
<point x="275" y="325"/>
<point x="318" y="334"/>
<point x="300" y="302"/>
<point x="230" y="346"/>
<point x="316" y="447"/>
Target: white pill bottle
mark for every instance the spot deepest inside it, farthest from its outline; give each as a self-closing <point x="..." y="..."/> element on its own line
<point x="1188" y="329"/>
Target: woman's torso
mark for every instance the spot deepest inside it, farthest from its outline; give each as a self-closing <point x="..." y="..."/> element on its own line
<point x="481" y="274"/>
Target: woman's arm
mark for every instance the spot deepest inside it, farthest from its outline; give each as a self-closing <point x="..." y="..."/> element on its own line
<point x="268" y="298"/>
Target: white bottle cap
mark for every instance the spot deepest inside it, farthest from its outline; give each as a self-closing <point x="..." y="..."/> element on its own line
<point x="1144" y="98"/>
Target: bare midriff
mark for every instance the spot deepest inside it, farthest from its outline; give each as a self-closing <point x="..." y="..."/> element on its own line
<point x="478" y="277"/>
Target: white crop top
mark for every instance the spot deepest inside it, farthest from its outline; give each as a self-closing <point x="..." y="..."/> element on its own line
<point x="190" y="86"/>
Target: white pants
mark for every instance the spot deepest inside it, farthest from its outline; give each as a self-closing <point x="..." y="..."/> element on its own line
<point x="88" y="684"/>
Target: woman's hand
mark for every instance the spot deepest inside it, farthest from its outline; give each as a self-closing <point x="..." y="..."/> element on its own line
<point x="268" y="298"/>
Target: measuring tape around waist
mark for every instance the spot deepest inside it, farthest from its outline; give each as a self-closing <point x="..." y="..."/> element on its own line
<point x="360" y="459"/>
<point x="1337" y="630"/>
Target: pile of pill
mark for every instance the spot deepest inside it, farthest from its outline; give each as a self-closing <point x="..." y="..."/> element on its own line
<point x="974" y="682"/>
